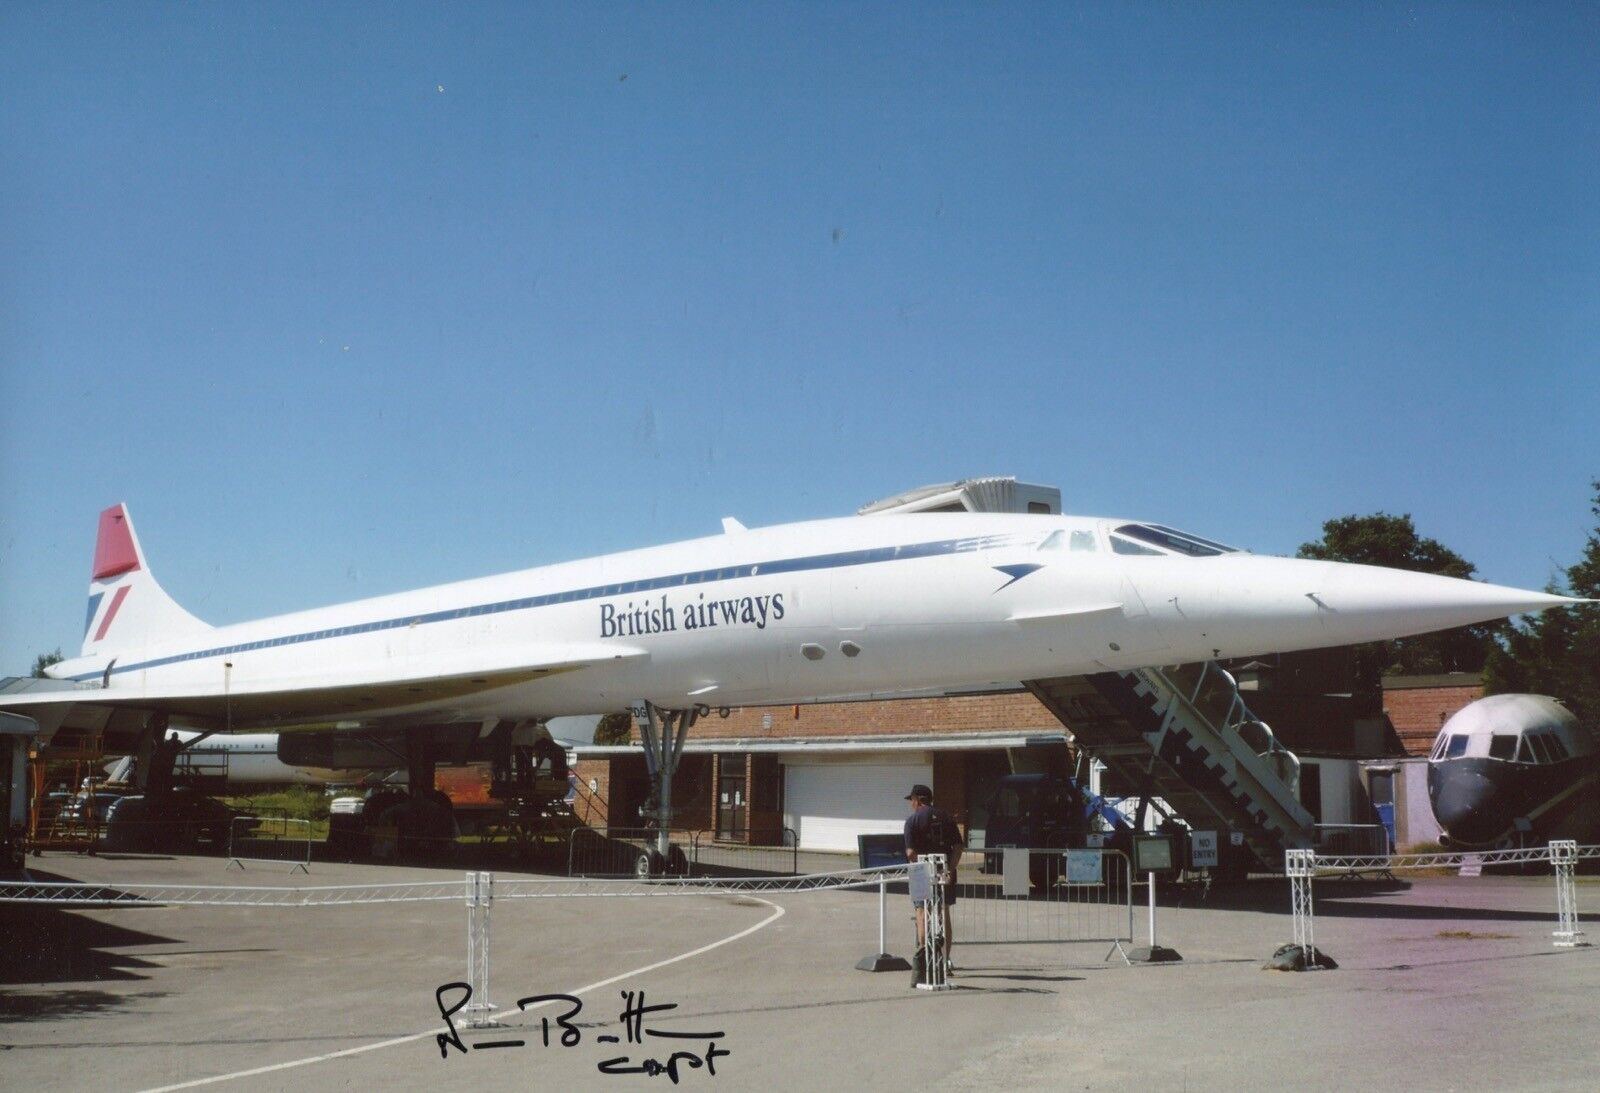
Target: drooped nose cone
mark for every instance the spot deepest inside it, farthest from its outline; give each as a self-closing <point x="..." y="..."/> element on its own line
<point x="1472" y="807"/>
<point x="1369" y="603"/>
<point x="1245" y="604"/>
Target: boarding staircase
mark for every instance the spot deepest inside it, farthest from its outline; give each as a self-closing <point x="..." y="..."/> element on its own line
<point x="1185" y="735"/>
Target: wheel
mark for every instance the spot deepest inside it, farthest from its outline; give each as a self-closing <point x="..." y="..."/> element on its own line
<point x="648" y="864"/>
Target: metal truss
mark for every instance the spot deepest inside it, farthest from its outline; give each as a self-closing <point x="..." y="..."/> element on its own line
<point x="1447" y="860"/>
<point x="575" y="887"/>
<point x="195" y="895"/>
<point x="70" y="894"/>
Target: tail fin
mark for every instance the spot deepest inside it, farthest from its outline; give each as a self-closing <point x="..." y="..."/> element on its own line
<point x="126" y="605"/>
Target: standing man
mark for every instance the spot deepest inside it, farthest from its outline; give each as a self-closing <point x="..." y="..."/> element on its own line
<point x="932" y="830"/>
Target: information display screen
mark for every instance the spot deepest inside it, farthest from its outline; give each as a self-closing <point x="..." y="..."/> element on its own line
<point x="1152" y="854"/>
<point x="876" y="851"/>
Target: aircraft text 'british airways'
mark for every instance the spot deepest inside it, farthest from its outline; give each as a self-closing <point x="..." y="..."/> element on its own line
<point x="662" y="616"/>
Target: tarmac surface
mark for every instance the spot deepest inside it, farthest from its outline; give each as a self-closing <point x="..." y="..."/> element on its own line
<point x="1444" y="983"/>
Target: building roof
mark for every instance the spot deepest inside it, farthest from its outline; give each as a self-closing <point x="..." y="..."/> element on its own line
<point x="822" y="745"/>
<point x="1449" y="679"/>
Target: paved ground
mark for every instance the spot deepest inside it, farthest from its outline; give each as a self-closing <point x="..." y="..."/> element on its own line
<point x="1444" y="983"/>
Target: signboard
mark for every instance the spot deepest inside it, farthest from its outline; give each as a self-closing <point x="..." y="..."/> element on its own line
<point x="1152" y="854"/>
<point x="877" y="851"/>
<point x="1014" y="871"/>
<point x="921" y="882"/>
<point x="1084" y="866"/>
<point x="1202" y="850"/>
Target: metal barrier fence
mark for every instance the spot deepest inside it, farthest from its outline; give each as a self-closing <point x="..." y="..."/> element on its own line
<point x="622" y="851"/>
<point x="1046" y="896"/>
<point x="1366" y="839"/>
<point x="710" y="857"/>
<point x="1305" y="866"/>
<point x="278" y="839"/>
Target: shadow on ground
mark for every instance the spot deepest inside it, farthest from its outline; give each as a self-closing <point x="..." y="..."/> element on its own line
<point x="53" y="945"/>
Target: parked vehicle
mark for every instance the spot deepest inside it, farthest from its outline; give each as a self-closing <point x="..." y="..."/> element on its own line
<point x="188" y="820"/>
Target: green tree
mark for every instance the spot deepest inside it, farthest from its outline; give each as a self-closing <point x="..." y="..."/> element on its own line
<point x="614" y="728"/>
<point x="1387" y="540"/>
<point x="1557" y="652"/>
<point x="44" y="660"/>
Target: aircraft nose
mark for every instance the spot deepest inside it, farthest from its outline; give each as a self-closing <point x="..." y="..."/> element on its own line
<point x="1469" y="804"/>
<point x="1364" y="603"/>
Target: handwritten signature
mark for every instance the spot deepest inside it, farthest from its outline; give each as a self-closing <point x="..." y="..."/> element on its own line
<point x="569" y="1035"/>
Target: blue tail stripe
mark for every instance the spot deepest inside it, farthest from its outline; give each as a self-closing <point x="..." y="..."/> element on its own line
<point x="94" y="606"/>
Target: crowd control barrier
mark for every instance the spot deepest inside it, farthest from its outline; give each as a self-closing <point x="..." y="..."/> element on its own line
<point x="277" y="839"/>
<point x="1303" y="867"/>
<point x="1036" y="895"/>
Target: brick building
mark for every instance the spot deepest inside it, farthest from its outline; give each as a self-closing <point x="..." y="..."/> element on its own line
<point x="831" y="771"/>
<point x="1419" y="705"/>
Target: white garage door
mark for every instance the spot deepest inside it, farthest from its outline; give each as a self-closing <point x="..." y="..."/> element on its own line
<point x="828" y="805"/>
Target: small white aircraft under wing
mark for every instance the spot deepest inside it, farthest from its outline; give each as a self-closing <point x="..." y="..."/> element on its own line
<point x="858" y="606"/>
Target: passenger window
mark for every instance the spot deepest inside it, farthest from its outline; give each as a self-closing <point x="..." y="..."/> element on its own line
<point x="1083" y="542"/>
<point x="1457" y="747"/>
<point x="1502" y="746"/>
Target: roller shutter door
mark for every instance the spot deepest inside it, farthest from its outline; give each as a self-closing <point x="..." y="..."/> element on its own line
<point x="829" y="804"/>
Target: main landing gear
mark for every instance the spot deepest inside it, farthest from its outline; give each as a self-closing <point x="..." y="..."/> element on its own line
<point x="663" y="732"/>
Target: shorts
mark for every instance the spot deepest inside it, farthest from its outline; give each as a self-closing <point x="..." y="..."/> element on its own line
<point x="949" y="896"/>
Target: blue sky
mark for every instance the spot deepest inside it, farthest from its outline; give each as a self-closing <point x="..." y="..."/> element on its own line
<point x="347" y="299"/>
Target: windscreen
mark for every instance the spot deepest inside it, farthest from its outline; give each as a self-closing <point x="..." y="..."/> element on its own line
<point x="1173" y="541"/>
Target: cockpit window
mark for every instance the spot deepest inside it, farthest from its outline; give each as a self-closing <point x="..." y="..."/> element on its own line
<point x="1503" y="746"/>
<point x="1082" y="541"/>
<point x="1120" y="545"/>
<point x="1558" y="750"/>
<point x="1170" y="540"/>
<point x="1540" y="743"/>
<point x="1457" y="746"/>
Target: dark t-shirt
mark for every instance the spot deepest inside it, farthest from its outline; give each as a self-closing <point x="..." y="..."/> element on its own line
<point x="932" y="830"/>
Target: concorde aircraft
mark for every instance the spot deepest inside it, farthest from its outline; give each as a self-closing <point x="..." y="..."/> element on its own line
<point x="859" y="606"/>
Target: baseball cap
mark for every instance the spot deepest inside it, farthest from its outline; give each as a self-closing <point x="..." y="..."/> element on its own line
<point x="920" y="790"/>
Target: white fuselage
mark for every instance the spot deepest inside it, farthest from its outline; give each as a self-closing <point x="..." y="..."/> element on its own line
<point x="769" y="615"/>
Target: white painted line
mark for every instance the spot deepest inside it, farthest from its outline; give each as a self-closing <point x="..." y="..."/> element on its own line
<point x="777" y="913"/>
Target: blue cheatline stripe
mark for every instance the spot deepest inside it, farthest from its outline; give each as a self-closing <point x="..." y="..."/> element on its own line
<point x="94" y="605"/>
<point x="599" y="591"/>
